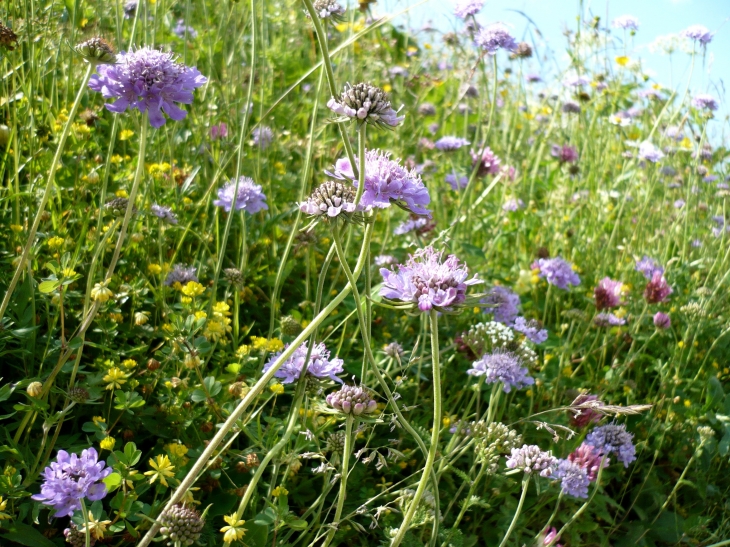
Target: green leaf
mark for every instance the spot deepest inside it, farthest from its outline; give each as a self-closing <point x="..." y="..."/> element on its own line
<point x="298" y="524"/>
<point x="26" y="535"/>
<point x="112" y="481"/>
<point x="49" y="286"/>
<point x="198" y="396"/>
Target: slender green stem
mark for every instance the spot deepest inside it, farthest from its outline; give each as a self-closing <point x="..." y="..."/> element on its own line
<point x="525" y="484"/>
<point x="343" y="479"/>
<point x="361" y="163"/>
<point x="87" y="528"/>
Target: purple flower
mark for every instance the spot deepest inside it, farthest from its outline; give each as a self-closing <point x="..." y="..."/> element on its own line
<point x="456" y="182"/>
<point x="513" y="204"/>
<point x="130" y="8"/>
<point x="465" y="8"/>
<point x="626" y="22"/>
<point x="70" y="479"/>
<point x="502" y="366"/>
<point x="532" y="329"/>
<point x="678" y="204"/>
<point x="575" y="80"/>
<point x="608" y="320"/>
<point x="165" y="213"/>
<point x="662" y="320"/>
<point x="584" y="416"/>
<point x="366" y="104"/>
<point x="219" y="131"/>
<point x="647" y="151"/>
<point x="674" y="132"/>
<point x="386" y="182"/>
<point x="648" y="267"/>
<point x="448" y="144"/>
<point x="352" y="400"/>
<point x="320" y="364"/>
<point x="494" y="37"/>
<point x="328" y="9"/>
<point x="533" y="78"/>
<point x="182" y="30"/>
<point x="432" y="128"/>
<point x="650" y="93"/>
<point x="487" y="160"/>
<point x="613" y="438"/>
<point x="571" y="107"/>
<point x="704" y="101"/>
<point x="398" y="71"/>
<point x="556" y="271"/>
<point x="657" y="289"/>
<point x="698" y="33"/>
<point x="331" y="198"/>
<point x="529" y="458"/>
<point x="410" y="225"/>
<point x="607" y="293"/>
<point x="427" y="281"/>
<point x="181" y="274"/>
<point x="427" y="109"/>
<point x="503" y="303"/>
<point x="564" y="153"/>
<point x="150" y="81"/>
<point x="385" y="260"/>
<point x="589" y="458"/>
<point x="248" y="197"/>
<point x="573" y="479"/>
<point x="262" y="136"/>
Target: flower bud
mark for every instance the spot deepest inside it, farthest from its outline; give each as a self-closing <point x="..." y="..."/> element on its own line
<point x="352" y="400"/>
<point x="34" y="389"/>
<point x="97" y="51"/>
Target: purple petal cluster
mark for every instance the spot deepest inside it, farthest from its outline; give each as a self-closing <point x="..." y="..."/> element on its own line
<point x="181" y="274"/>
<point x="531" y="459"/>
<point x="410" y="225"/>
<point x="571" y="107"/>
<point x="662" y="320"/>
<point x="626" y="22"/>
<point x="248" y="196"/>
<point x="564" y="153"/>
<point x="450" y="143"/>
<point x="182" y="30"/>
<point x="613" y="438"/>
<point x="428" y="281"/>
<point x="352" y="400"/>
<point x="456" y="182"/>
<point x="608" y="320"/>
<point x="556" y="271"/>
<point x="531" y="329"/>
<point x="70" y="479"/>
<point x="513" y="204"/>
<point x="386" y="182"/>
<point x="704" y="101"/>
<point x="488" y="162"/>
<point x="648" y="267"/>
<point x="262" y="136"/>
<point x="589" y="458"/>
<point x="649" y="152"/>
<point x="165" y="213"/>
<point x="607" y="293"/>
<point x="150" y="81"/>
<point x="465" y="8"/>
<point x="573" y="479"/>
<point x="502" y="366"/>
<point x="219" y="131"/>
<point x="576" y="80"/>
<point x="657" y="289"/>
<point x="698" y="33"/>
<point x="503" y="304"/>
<point x="495" y="37"/>
<point x="320" y="364"/>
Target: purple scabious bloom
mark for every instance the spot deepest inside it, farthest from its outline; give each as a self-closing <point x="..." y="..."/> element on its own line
<point x="513" y="204"/>
<point x="262" y="136"/>
<point x="678" y="204"/>
<point x="503" y="304"/>
<point x="130" y="8"/>
<point x="674" y="132"/>
<point x="150" y="81"/>
<point x="589" y="458"/>
<point x="394" y="350"/>
<point x="698" y="33"/>
<point x="327" y="9"/>
<point x="449" y="143"/>
<point x="320" y="364"/>
<point x="249" y="196"/>
<point x="502" y="366"/>
<point x="704" y="101"/>
<point x="488" y="162"/>
<point x="650" y="93"/>
<point x="571" y="107"/>
<point x="613" y="438"/>
<point x="647" y="151"/>
<point x="608" y="320"/>
<point x="181" y="274"/>
<point x="564" y="153"/>
<point x="182" y="30"/>
<point x="662" y="321"/>
<point x="584" y="416"/>
<point x="398" y="71"/>
<point x="386" y="182"/>
<point x="494" y="37"/>
<point x="385" y="260"/>
<point x="556" y="271"/>
<point x="626" y="22"/>
<point x="573" y="478"/>
<point x="648" y="267"/>
<point x="456" y="182"/>
<point x="530" y="458"/>
<point x="607" y="294"/>
<point x="531" y="329"/>
<point x="410" y="225"/>
<point x="533" y="78"/>
<point x="165" y="213"/>
<point x="365" y="103"/>
<point x="657" y="289"/>
<point x="465" y="8"/>
<point x="70" y="479"/>
<point x="427" y="281"/>
<point x="219" y="131"/>
<point x="576" y="80"/>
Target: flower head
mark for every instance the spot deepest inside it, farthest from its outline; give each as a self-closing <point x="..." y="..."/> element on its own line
<point x="394" y="350"/>
<point x="657" y="289"/>
<point x="607" y="293"/>
<point x="428" y="282"/>
<point x="613" y="438"/>
<point x="8" y="38"/>
<point x="320" y="364"/>
<point x="262" y="136"/>
<point x="150" y="81"/>
<point x="698" y="33"/>
<point x="181" y="524"/>
<point x="626" y="22"/>
<point x="704" y="101"/>
<point x="219" y="131"/>
<point x="495" y="37"/>
<point x="330" y="198"/>
<point x="235" y="530"/>
<point x="556" y="271"/>
<point x="503" y="303"/>
<point x="181" y="274"/>
<point x="564" y="153"/>
<point x="456" y="182"/>
<point x="584" y="416"/>
<point x="532" y="329"/>
<point x="165" y="213"/>
<point x="248" y="196"/>
<point x="662" y="320"/>
<point x="502" y="366"/>
<point x="328" y="9"/>
<point x="162" y="469"/>
<point x="418" y="224"/>
<point x="488" y="162"/>
<point x="365" y="103"/>
<point x="531" y="459"/>
<point x="70" y="479"/>
<point x="352" y="400"/>
<point x="97" y="50"/>
<point x="573" y="478"/>
<point x="608" y="320"/>
<point x="450" y="143"/>
<point x="571" y="107"/>
<point x="465" y="8"/>
<point x="589" y="458"/>
<point x="647" y="151"/>
<point x="182" y="31"/>
<point x="648" y="267"/>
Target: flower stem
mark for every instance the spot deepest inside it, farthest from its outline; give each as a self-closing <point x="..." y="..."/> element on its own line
<point x="343" y="479"/>
<point x="525" y="484"/>
<point x="87" y="528"/>
<point x="361" y="160"/>
<point x="47" y="192"/>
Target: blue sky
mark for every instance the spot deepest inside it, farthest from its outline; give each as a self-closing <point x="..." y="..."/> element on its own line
<point x="656" y="17"/>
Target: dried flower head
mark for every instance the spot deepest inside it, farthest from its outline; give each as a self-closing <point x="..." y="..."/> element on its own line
<point x="77" y="538"/>
<point x="530" y="458"/>
<point x="118" y="206"/>
<point x="352" y="400"/>
<point x="522" y="51"/>
<point x="97" y="51"/>
<point x="8" y="39"/>
<point x="290" y="326"/>
<point x="365" y="103"/>
<point x="233" y="276"/>
<point x="181" y="525"/>
<point x="333" y="199"/>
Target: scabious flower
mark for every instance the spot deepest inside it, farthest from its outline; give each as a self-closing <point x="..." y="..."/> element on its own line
<point x="556" y="271"/>
<point x="626" y="22"/>
<point x="704" y="101"/>
<point x="576" y="80"/>
<point x="130" y="8"/>
<point x="488" y="162"/>
<point x="428" y="282"/>
<point x="182" y="30"/>
<point x="465" y="8"/>
<point x="450" y="143"/>
<point x="330" y="198"/>
<point x="328" y="9"/>
<point x="589" y="458"/>
<point x="394" y="350"/>
<point x="662" y="320"/>
<point x="613" y="438"/>
<point x="495" y="37"/>
<point x="573" y="479"/>
<point x="647" y="151"/>
<point x="678" y="204"/>
<point x="531" y="459"/>
<point x="456" y="182"/>
<point x="657" y="289"/>
<point x="533" y="78"/>
<point x="181" y="524"/>
<point x="385" y="260"/>
<point x="365" y="103"/>
<point x="564" y="153"/>
<point x="698" y="33"/>
<point x="70" y="479"/>
<point x="502" y="303"/>
<point x="165" y="213"/>
<point x="571" y="107"/>
<point x="219" y="131"/>
<point x="607" y="293"/>
<point x="248" y="197"/>
<point x="608" y="320"/>
<point x="181" y="274"/>
<point x="95" y="50"/>
<point x="320" y="364"/>
<point x="648" y="267"/>
<point x="411" y="225"/>
<point x="352" y="400"/>
<point x="150" y="81"/>
<point x="502" y="366"/>
<point x="531" y="329"/>
<point x="513" y="204"/>
<point x="386" y="182"/>
<point x="262" y="136"/>
<point x="584" y="416"/>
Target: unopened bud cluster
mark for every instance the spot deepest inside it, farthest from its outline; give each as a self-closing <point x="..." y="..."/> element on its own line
<point x="366" y="103"/>
<point x="330" y="198"/>
<point x="290" y="326"/>
<point x="181" y="525"/>
<point x="97" y="50"/>
<point x="352" y="400"/>
<point x="118" y="206"/>
<point x="77" y="538"/>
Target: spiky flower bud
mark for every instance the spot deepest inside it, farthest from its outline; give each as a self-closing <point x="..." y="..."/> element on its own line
<point x="367" y="104"/>
<point x="522" y="51"/>
<point x="352" y="400"/>
<point x="78" y="395"/>
<point x="233" y="276"/>
<point x="290" y="326"/>
<point x="118" y="206"/>
<point x="335" y="442"/>
<point x="331" y="198"/>
<point x="394" y="350"/>
<point x="181" y="525"/>
<point x="8" y="39"/>
<point x="97" y="51"/>
<point x="34" y="389"/>
<point x="77" y="538"/>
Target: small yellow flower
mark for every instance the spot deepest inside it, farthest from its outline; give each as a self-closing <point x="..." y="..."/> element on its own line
<point x="243" y="351"/>
<point x="121" y="194"/>
<point x="98" y="420"/>
<point x="622" y="60"/>
<point x="115" y="378"/>
<point x="154" y="269"/>
<point x="279" y="168"/>
<point x="68" y="272"/>
<point x="97" y="528"/>
<point x="101" y="293"/>
<point x="186" y="300"/>
<point x="176" y="450"/>
<point x="221" y="308"/>
<point x="141" y="318"/>
<point x="387" y="88"/>
<point x="107" y="443"/>
<point x="680" y="344"/>
<point x="126" y="134"/>
<point x="162" y="468"/>
<point x="16" y="228"/>
<point x="200" y="315"/>
<point x="55" y="242"/>
<point x="277" y="389"/>
<point x="129" y="363"/>
<point x="3" y="505"/>
<point x="187" y="201"/>
<point x="116" y="159"/>
<point x="191" y="361"/>
<point x="280" y="491"/>
<point x="193" y="289"/>
<point x="235" y="530"/>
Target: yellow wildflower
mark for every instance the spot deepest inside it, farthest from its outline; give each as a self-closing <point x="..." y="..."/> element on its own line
<point x="16" y="228"/>
<point x="129" y="363"/>
<point x="121" y="194"/>
<point x="221" y="308"/>
<point x="622" y="60"/>
<point x="186" y="300"/>
<point x="162" y="468"/>
<point x="235" y="530"/>
<point x="279" y="168"/>
<point x="55" y="242"/>
<point x="277" y="389"/>
<point x="98" y="420"/>
<point x="280" y="491"/>
<point x="200" y="315"/>
<point x="115" y="378"/>
<point x="193" y="289"/>
<point x="125" y="134"/>
<point x="116" y="159"/>
<point x="154" y="269"/>
<point x="3" y="505"/>
<point x="97" y="528"/>
<point x="101" y="293"/>
<point x="107" y="443"/>
<point x="176" y="450"/>
<point x="141" y="318"/>
<point x="68" y="272"/>
<point x="242" y="351"/>
<point x="217" y="328"/>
